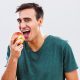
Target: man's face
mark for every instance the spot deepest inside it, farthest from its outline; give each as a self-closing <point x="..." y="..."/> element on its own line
<point x="28" y="24"/>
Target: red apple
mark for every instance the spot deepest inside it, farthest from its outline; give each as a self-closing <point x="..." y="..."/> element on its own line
<point x="19" y="37"/>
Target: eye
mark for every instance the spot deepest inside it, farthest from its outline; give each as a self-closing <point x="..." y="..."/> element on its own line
<point x="27" y="19"/>
<point x="19" y="20"/>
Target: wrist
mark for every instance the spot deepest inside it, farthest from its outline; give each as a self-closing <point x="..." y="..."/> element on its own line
<point x="14" y="55"/>
<point x="14" y="59"/>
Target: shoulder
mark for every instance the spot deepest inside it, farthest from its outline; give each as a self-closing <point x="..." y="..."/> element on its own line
<point x="57" y="41"/>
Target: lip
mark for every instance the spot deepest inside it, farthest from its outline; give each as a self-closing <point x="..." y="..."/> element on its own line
<point x="24" y="29"/>
<point x="27" y="31"/>
<point x="26" y="35"/>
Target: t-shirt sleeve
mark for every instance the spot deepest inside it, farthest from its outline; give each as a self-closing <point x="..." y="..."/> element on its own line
<point x="8" y="54"/>
<point x="69" y="61"/>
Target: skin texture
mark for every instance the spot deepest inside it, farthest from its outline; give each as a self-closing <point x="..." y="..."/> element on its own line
<point x="27" y="20"/>
<point x="73" y="75"/>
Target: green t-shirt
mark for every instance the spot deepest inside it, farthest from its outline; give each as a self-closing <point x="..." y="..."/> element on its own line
<point x="50" y="62"/>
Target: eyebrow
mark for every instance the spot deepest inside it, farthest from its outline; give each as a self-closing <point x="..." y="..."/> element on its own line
<point x="26" y="18"/>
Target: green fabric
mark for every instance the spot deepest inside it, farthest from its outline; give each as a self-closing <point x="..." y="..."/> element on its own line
<point x="50" y="62"/>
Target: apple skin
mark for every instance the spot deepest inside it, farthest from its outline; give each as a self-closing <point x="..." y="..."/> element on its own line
<point x="19" y="37"/>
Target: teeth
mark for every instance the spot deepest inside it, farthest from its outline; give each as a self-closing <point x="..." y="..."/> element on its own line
<point x="27" y="30"/>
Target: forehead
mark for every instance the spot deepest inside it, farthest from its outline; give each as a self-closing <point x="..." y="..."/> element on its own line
<point x="27" y="13"/>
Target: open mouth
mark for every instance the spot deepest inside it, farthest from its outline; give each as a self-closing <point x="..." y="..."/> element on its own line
<point x="26" y="32"/>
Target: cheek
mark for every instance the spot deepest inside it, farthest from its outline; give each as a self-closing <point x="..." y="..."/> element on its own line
<point x="34" y="27"/>
<point x="19" y="27"/>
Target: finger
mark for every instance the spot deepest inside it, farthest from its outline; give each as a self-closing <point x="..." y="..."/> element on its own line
<point x="18" y="42"/>
<point x="13" y="39"/>
<point x="19" y="48"/>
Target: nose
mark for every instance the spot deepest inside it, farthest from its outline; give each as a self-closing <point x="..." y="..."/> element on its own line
<point x="23" y="24"/>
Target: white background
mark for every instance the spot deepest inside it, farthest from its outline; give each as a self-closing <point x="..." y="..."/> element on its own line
<point x="62" y="18"/>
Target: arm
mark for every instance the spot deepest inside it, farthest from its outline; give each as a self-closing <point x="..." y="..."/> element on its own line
<point x="70" y="65"/>
<point x="10" y="73"/>
<point x="15" y="52"/>
<point x="73" y="75"/>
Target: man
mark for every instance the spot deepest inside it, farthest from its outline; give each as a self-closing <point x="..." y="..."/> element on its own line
<point x="39" y="57"/>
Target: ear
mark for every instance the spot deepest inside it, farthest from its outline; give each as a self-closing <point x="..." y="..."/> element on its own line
<point x="40" y="21"/>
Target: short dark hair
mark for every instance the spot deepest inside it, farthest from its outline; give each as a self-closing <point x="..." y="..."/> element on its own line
<point x="38" y="9"/>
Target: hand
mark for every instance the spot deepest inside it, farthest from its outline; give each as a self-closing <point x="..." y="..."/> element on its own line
<point x="16" y="46"/>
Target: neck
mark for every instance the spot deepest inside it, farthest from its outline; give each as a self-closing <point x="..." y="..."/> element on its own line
<point x="36" y="44"/>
